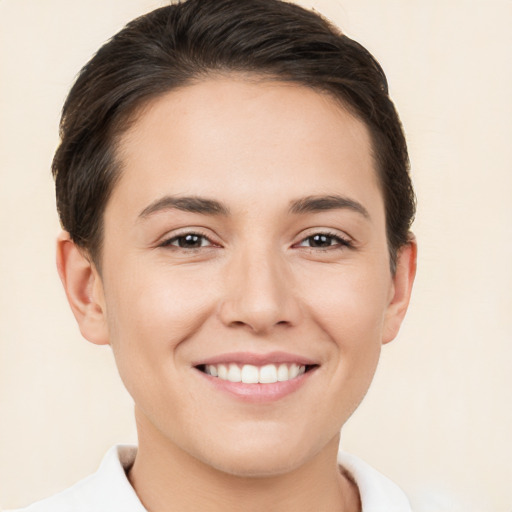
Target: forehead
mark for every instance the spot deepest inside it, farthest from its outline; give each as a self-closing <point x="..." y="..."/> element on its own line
<point x="240" y="138"/>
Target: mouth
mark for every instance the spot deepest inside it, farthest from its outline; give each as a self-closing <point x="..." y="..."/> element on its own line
<point x="256" y="374"/>
<point x="257" y="378"/>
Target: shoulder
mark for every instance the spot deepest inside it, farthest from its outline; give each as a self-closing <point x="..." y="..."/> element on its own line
<point x="107" y="490"/>
<point x="378" y="493"/>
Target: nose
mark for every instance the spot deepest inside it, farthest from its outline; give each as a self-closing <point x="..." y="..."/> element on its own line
<point x="259" y="293"/>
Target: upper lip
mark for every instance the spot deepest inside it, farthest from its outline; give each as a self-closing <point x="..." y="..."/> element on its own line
<point x="257" y="359"/>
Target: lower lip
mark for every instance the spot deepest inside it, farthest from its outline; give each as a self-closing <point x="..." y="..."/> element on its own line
<point x="259" y="393"/>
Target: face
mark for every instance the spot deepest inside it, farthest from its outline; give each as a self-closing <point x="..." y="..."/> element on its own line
<point x="246" y="287"/>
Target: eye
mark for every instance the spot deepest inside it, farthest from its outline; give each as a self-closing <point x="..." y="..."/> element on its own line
<point x="188" y="241"/>
<point x="324" y="241"/>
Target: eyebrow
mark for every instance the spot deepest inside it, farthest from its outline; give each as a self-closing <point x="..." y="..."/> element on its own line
<point x="313" y="204"/>
<point x="192" y="204"/>
<point x="205" y="206"/>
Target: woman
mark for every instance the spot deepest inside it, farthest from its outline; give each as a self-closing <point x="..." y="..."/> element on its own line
<point x="233" y="186"/>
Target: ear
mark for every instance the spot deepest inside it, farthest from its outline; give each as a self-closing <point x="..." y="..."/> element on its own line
<point x="401" y="289"/>
<point x="84" y="290"/>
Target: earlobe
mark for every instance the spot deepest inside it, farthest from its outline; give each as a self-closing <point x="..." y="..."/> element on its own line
<point x="402" y="288"/>
<point x="84" y="290"/>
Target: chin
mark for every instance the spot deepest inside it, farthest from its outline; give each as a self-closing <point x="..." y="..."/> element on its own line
<point x="257" y="464"/>
<point x="260" y="454"/>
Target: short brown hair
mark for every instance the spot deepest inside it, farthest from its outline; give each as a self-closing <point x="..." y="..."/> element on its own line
<point x="174" y="46"/>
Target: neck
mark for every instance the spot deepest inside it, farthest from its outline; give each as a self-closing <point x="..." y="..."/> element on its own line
<point x="166" y="478"/>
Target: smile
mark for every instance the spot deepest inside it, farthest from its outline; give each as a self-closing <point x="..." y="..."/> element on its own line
<point x="251" y="374"/>
<point x="257" y="378"/>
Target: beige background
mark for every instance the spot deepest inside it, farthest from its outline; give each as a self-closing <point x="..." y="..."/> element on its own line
<point x="438" y="418"/>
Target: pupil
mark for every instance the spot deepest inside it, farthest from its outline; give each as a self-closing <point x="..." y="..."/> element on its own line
<point x="321" y="241"/>
<point x="190" y="241"/>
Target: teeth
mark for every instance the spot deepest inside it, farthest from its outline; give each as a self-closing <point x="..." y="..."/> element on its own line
<point x="250" y="374"/>
<point x="283" y="373"/>
<point x="268" y="374"/>
<point x="222" y="372"/>
<point x="234" y="373"/>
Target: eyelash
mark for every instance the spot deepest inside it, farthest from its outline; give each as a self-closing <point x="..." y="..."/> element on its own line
<point x="169" y="242"/>
<point x="340" y="242"/>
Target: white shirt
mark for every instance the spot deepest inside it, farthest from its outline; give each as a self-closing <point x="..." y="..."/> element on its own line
<point x="108" y="490"/>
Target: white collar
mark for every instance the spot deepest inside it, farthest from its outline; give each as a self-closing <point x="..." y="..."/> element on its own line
<point x="108" y="490"/>
<point x="378" y="493"/>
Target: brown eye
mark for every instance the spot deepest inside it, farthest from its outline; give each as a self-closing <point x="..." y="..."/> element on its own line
<point x="321" y="241"/>
<point x="324" y="241"/>
<point x="188" y="241"/>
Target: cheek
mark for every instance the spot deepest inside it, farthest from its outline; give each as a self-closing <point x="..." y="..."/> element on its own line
<point x="154" y="311"/>
<point x="149" y="316"/>
<point x="350" y="305"/>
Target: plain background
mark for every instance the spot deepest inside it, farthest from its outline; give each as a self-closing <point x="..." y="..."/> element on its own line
<point x="438" y="417"/>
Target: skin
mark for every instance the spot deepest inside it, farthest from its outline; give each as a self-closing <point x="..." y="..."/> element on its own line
<point x="256" y="283"/>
